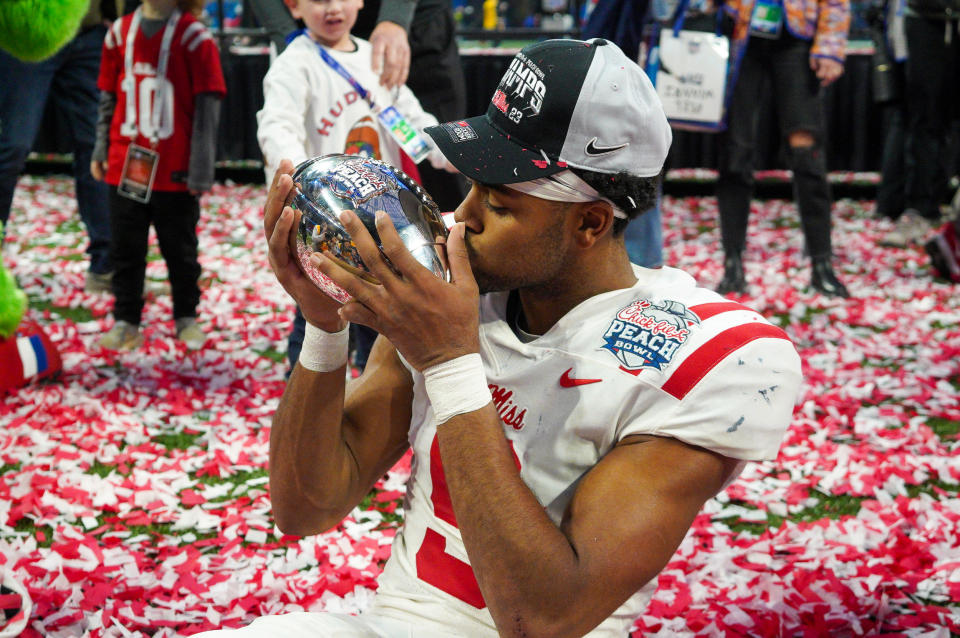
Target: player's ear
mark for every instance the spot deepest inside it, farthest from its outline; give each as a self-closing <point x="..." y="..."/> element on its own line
<point x="594" y="220"/>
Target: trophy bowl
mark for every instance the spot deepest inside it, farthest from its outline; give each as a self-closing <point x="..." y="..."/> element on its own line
<point x="324" y="186"/>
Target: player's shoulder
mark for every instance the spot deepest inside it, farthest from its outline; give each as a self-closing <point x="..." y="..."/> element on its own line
<point x="650" y="330"/>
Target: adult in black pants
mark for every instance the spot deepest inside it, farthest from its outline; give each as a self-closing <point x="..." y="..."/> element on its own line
<point x="435" y="77"/>
<point x="780" y="66"/>
<point x="933" y="42"/>
<point x="69" y="80"/>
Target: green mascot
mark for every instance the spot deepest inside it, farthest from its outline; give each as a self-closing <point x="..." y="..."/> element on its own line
<point x="33" y="30"/>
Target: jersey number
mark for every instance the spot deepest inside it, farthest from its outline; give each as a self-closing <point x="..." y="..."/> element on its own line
<point x="434" y="565"/>
<point x="147" y="91"/>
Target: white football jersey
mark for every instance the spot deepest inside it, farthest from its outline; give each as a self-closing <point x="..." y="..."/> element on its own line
<point x="663" y="357"/>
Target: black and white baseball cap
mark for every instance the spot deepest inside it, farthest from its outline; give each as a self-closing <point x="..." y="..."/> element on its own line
<point x="561" y="104"/>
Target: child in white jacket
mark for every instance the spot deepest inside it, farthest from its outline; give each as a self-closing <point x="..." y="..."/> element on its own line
<point x="311" y="109"/>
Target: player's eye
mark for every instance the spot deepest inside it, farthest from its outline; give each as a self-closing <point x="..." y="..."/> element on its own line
<point x="499" y="210"/>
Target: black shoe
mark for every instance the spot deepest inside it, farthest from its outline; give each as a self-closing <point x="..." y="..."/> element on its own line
<point x="825" y="281"/>
<point x="733" y="279"/>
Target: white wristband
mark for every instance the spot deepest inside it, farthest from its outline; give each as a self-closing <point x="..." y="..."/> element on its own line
<point x="456" y="387"/>
<point x="324" y="351"/>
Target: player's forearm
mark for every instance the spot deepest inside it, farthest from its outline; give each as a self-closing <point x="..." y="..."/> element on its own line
<point x="526" y="567"/>
<point x="314" y="480"/>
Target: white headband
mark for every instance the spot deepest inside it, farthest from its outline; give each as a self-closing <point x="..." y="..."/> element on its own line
<point x="564" y="186"/>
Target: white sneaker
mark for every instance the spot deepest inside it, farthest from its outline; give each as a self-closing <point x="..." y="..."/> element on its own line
<point x="190" y="333"/>
<point x="911" y="228"/>
<point x="122" y="336"/>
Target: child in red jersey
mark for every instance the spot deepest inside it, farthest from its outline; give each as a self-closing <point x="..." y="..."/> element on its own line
<point x="161" y="86"/>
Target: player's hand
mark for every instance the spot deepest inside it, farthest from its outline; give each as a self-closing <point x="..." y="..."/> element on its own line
<point x="98" y="170"/>
<point x="391" y="54"/>
<point x="428" y="320"/>
<point x="279" y="225"/>
<point x="827" y="70"/>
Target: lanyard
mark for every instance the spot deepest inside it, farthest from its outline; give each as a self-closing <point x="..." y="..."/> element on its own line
<point x="390" y="118"/>
<point x="128" y="78"/>
<point x="346" y="75"/>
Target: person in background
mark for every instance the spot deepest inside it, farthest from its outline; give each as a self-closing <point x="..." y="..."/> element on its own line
<point x="69" y="80"/>
<point x="426" y="29"/>
<point x="161" y="86"/>
<point x="932" y="93"/>
<point x="794" y="48"/>
<point x="889" y="94"/>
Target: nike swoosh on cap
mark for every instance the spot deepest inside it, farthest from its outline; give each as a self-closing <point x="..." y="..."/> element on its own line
<point x="592" y="149"/>
<point x="566" y="381"/>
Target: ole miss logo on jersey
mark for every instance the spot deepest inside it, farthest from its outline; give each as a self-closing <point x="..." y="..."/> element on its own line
<point x="646" y="334"/>
<point x="510" y="412"/>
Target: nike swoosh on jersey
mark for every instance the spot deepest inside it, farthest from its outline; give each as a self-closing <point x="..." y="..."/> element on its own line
<point x="566" y="381"/>
<point x="592" y="149"/>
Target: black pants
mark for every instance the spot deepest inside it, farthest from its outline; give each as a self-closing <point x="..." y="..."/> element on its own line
<point x="891" y="193"/>
<point x="782" y="68"/>
<point x="932" y="93"/>
<point x="436" y="78"/>
<point x="174" y="217"/>
<point x="68" y="80"/>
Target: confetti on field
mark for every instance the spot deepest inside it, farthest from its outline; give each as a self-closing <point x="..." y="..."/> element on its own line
<point x="134" y="497"/>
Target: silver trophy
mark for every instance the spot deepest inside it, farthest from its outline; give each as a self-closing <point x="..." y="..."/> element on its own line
<point x="325" y="186"/>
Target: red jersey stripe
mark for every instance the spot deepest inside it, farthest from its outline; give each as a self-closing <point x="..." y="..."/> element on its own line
<point x="707" y="310"/>
<point x="707" y="356"/>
